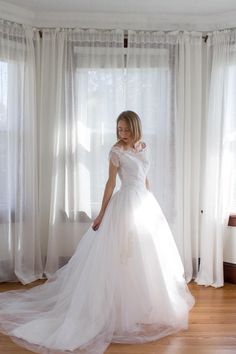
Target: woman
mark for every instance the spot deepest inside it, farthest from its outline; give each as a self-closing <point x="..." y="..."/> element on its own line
<point x="124" y="284"/>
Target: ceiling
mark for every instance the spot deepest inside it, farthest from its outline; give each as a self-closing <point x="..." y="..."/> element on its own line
<point x="165" y="14"/>
<point x="194" y="7"/>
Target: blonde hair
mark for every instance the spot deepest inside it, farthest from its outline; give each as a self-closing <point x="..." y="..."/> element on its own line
<point x="134" y="123"/>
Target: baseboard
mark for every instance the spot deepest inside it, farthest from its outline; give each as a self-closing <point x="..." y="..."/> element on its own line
<point x="230" y="272"/>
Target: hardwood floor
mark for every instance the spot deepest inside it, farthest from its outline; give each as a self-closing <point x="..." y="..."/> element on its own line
<point x="212" y="327"/>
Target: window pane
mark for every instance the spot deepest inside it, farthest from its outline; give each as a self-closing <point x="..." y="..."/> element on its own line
<point x="3" y="134"/>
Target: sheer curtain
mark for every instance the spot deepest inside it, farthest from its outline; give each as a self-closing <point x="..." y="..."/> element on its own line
<point x="219" y="154"/>
<point x="164" y="87"/>
<point x="94" y="78"/>
<point x="87" y="78"/>
<point x="19" y="225"/>
<point x="53" y="169"/>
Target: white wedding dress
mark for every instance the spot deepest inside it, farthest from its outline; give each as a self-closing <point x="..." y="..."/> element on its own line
<point x="124" y="283"/>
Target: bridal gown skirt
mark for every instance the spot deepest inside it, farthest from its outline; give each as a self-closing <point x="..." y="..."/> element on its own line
<point x="124" y="284"/>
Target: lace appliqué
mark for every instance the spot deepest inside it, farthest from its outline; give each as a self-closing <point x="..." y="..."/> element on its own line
<point x="139" y="146"/>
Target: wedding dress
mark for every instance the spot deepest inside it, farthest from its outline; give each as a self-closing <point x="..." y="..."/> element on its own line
<point x="124" y="283"/>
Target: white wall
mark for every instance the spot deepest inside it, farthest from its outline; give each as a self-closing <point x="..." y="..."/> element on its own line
<point x="230" y="245"/>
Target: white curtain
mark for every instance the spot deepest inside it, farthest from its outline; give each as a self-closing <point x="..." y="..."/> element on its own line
<point x="60" y="96"/>
<point x="164" y="87"/>
<point x="219" y="154"/>
<point x="85" y="93"/>
<point x="92" y="79"/>
<point x="19" y="228"/>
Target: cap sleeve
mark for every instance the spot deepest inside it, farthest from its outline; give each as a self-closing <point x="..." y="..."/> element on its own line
<point x="114" y="157"/>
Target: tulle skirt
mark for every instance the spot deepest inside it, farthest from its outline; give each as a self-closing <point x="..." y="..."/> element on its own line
<point x="124" y="284"/>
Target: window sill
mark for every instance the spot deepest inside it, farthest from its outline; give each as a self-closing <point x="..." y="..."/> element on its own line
<point x="232" y="220"/>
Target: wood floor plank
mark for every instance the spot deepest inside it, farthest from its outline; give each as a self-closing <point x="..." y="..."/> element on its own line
<point x="212" y="326"/>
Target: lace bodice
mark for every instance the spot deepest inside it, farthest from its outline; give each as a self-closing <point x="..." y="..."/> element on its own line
<point x="132" y="165"/>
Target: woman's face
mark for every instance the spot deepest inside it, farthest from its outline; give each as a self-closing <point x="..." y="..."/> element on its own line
<point x="124" y="132"/>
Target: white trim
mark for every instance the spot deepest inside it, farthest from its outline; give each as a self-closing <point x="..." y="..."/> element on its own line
<point x="167" y="22"/>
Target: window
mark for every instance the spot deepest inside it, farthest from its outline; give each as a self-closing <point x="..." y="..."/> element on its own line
<point x="229" y="143"/>
<point x="9" y="127"/>
<point x="95" y="96"/>
<point x="3" y="137"/>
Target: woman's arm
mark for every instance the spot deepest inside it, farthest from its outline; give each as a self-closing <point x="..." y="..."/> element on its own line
<point x="110" y="185"/>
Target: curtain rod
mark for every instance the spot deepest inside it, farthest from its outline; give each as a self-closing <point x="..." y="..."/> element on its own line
<point x="204" y="33"/>
<point x="204" y="37"/>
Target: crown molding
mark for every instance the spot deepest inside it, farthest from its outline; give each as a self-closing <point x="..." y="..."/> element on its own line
<point x="17" y="14"/>
<point x="165" y="22"/>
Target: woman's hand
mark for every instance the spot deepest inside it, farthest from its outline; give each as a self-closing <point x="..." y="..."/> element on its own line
<point x="97" y="222"/>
